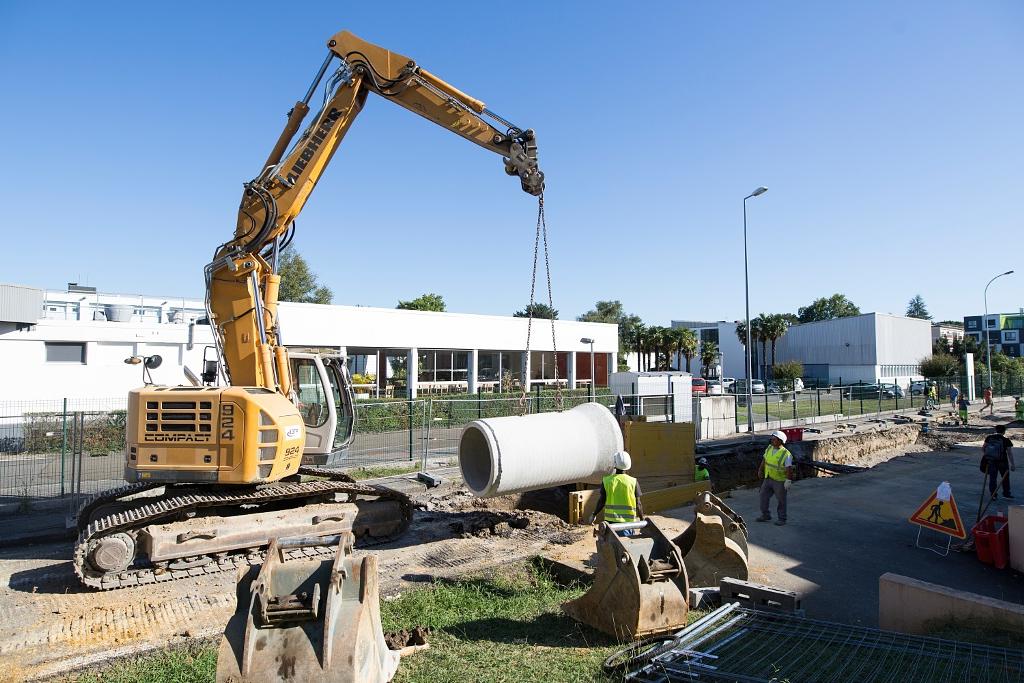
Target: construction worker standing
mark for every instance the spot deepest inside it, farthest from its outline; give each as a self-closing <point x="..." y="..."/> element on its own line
<point x="776" y="470"/>
<point x="620" y="494"/>
<point x="700" y="472"/>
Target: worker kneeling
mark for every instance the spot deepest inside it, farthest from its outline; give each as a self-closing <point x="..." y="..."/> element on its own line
<point x="776" y="470"/>
<point x="620" y="495"/>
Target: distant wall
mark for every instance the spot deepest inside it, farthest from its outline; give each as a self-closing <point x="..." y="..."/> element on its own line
<point x="907" y="605"/>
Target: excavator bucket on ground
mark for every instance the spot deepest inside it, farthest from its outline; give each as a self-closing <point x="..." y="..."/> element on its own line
<point x="640" y="585"/>
<point x="302" y="618"/>
<point x="715" y="545"/>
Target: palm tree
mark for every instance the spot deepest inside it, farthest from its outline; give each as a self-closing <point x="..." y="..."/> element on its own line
<point x="776" y="326"/>
<point x="673" y="338"/>
<point x="631" y="335"/>
<point x="709" y="353"/>
<point x="758" y="331"/>
<point x="688" y="346"/>
<point x="656" y="335"/>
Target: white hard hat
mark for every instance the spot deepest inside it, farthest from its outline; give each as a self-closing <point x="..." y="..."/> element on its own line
<point x="622" y="460"/>
<point x="781" y="436"/>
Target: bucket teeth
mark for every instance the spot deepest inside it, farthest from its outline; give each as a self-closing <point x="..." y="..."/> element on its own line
<point x="639" y="587"/>
<point x="307" y="619"/>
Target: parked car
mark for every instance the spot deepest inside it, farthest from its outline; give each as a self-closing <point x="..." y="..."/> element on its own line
<point x="700" y="386"/>
<point x="918" y="388"/>
<point x="873" y="391"/>
<point x="740" y="386"/>
<point x="773" y="388"/>
<point x="715" y="387"/>
<point x="728" y="382"/>
<point x="892" y="391"/>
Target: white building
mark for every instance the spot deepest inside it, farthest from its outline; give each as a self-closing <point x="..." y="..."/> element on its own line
<point x="950" y="332"/>
<point x="67" y="344"/>
<point x="732" y="358"/>
<point x="874" y="347"/>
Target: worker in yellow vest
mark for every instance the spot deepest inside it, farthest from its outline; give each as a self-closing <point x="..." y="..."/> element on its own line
<point x="620" y="494"/>
<point x="700" y="471"/>
<point x="776" y="471"/>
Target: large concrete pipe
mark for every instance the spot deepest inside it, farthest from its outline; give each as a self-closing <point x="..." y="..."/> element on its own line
<point x="501" y="455"/>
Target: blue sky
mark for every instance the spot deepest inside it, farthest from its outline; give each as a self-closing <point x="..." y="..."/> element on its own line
<point x="890" y="136"/>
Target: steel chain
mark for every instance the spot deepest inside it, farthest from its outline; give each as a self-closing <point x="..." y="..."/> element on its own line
<point x="541" y="233"/>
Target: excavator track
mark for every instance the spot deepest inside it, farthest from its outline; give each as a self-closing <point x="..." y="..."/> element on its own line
<point x="175" y="506"/>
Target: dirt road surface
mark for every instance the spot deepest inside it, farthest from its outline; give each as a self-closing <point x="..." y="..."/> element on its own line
<point x="49" y="625"/>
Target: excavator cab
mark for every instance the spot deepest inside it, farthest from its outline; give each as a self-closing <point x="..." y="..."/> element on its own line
<point x="322" y="391"/>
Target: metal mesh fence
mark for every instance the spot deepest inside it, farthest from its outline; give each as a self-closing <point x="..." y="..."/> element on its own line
<point x="739" y="644"/>
<point x="50" y="449"/>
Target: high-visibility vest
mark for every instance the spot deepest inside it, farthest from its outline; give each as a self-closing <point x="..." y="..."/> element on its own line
<point x="775" y="463"/>
<point x="701" y="474"/>
<point x="620" y="498"/>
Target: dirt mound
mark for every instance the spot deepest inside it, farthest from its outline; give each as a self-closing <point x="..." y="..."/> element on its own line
<point x="397" y="640"/>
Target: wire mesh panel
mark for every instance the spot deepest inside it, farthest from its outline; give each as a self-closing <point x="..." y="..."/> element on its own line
<point x="387" y="432"/>
<point x="739" y="644"/>
<point x="35" y="447"/>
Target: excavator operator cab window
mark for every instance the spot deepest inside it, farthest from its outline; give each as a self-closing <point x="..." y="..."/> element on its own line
<point x="341" y="391"/>
<point x="310" y="397"/>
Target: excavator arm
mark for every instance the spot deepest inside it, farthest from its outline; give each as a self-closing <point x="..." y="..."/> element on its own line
<point x="242" y="282"/>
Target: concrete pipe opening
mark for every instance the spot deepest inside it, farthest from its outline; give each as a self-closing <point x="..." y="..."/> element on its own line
<point x="475" y="458"/>
<point x="504" y="455"/>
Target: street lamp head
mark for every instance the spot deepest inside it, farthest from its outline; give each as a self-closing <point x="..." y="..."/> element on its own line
<point x="1009" y="272"/>
<point x="759" y="191"/>
<point x="586" y="340"/>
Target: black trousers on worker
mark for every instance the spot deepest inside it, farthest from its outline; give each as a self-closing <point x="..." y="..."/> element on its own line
<point x="995" y="471"/>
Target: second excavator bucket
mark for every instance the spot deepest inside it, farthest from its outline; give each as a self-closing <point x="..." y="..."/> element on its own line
<point x="715" y="545"/>
<point x="302" y="618"/>
<point x="639" y="587"/>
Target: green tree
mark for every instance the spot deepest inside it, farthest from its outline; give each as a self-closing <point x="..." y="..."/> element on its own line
<point x="939" y="365"/>
<point x="687" y="345"/>
<point x="759" y="333"/>
<point x="424" y="302"/>
<point x="917" y="309"/>
<point x="613" y="312"/>
<point x="709" y="354"/>
<point x="787" y="371"/>
<point x="298" y="282"/>
<point x="827" y="308"/>
<point x="741" y="333"/>
<point x="539" y="311"/>
<point x="775" y="326"/>
<point x="630" y="339"/>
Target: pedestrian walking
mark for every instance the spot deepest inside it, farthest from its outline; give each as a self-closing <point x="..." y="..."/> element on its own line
<point x="997" y="460"/>
<point x="962" y="404"/>
<point x="953" y="394"/>
<point x="988" y="401"/>
<point x="776" y="472"/>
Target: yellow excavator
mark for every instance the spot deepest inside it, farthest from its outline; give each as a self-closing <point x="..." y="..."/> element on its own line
<point x="216" y="471"/>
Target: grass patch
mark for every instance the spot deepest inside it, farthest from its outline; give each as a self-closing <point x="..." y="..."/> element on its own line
<point x="379" y="471"/>
<point x="193" y="663"/>
<point x="488" y="629"/>
<point x="980" y="631"/>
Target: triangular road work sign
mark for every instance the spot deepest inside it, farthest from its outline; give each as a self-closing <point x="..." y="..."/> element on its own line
<point x="940" y="515"/>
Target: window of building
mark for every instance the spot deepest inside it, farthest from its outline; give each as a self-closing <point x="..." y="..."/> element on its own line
<point x="542" y="365"/>
<point x="443" y="365"/>
<point x="972" y="324"/>
<point x="992" y="322"/>
<point x="491" y="365"/>
<point x="1010" y="336"/>
<point x="65" y="352"/>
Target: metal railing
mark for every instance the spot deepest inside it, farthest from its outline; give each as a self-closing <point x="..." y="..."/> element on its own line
<point x="65" y="449"/>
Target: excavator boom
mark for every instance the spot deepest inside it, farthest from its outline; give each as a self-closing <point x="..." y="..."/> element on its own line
<point x="216" y="472"/>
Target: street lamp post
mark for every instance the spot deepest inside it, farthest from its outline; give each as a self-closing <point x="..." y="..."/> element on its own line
<point x="746" y="286"/>
<point x="593" y="388"/>
<point x="988" y="346"/>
